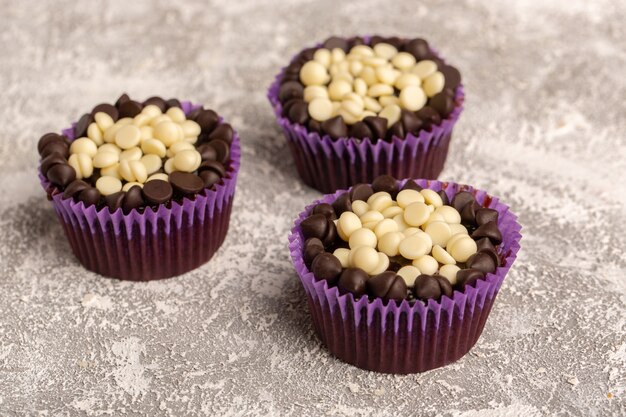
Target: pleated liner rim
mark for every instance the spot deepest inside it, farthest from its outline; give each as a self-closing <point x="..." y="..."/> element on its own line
<point x="405" y="338"/>
<point x="153" y="244"/>
<point x="328" y="164"/>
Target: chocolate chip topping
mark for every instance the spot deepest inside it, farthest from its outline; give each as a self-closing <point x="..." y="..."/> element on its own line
<point x="157" y="191"/>
<point x="209" y="177"/>
<point x="89" y="196"/>
<point x="327" y="267"/>
<point x="61" y="174"/>
<point x="411" y="185"/>
<point x="289" y="90"/>
<point x="312" y="247"/>
<point x="387" y="286"/>
<point x="75" y="187"/>
<point x="378" y="126"/>
<point x="468" y="277"/>
<point x="489" y="230"/>
<point x="353" y="281"/>
<point x="129" y="108"/>
<point x="486" y="215"/>
<point x="83" y="123"/>
<point x="207" y="119"/>
<point x="385" y="183"/>
<point x="431" y="286"/>
<point x="47" y="139"/>
<point x="223" y="132"/>
<point x="114" y="201"/>
<point x="325" y="209"/>
<point x="482" y="261"/>
<point x="58" y="147"/>
<point x="342" y="203"/>
<point x="133" y="199"/>
<point x="335" y="127"/>
<point x="156" y="101"/>
<point x="109" y="109"/>
<point x="361" y="192"/>
<point x="186" y="183"/>
<point x="122" y="99"/>
<point x="50" y="161"/>
<point x="359" y="130"/>
<point x="315" y="225"/>
<point x="461" y="199"/>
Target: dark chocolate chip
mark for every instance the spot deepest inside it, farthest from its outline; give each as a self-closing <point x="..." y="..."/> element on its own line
<point x="444" y="197"/>
<point x="129" y="108"/>
<point x="75" y="187"/>
<point x="396" y="130"/>
<point x="114" y="201"/>
<point x="486" y="215"/>
<point x="443" y="103"/>
<point x="122" y="99"/>
<point x="327" y="267"/>
<point x="58" y="147"/>
<point x="418" y="48"/>
<point x="133" y="199"/>
<point x="193" y="115"/>
<point x="61" y="174"/>
<point x="315" y="225"/>
<point x="468" y="214"/>
<point x="307" y="54"/>
<point x="444" y="285"/>
<point x="50" y="161"/>
<point x="207" y="152"/>
<point x="223" y="132"/>
<point x="335" y="127"/>
<point x="426" y="287"/>
<point x="47" y="139"/>
<point x="89" y="196"/>
<point x="353" y="281"/>
<point x="360" y="130"/>
<point x="357" y="40"/>
<point x="490" y="230"/>
<point x="461" y="199"/>
<point x="173" y="102"/>
<point x="214" y="166"/>
<point x="388" y="286"/>
<point x="336" y="42"/>
<point x="157" y="191"/>
<point x="325" y="209"/>
<point x="222" y="150"/>
<point x="429" y="116"/>
<point x="378" y="126"/>
<point x="411" y="185"/>
<point x="312" y="247"/>
<point x="83" y="123"/>
<point x="207" y="119"/>
<point x="186" y="183"/>
<point x="361" y="192"/>
<point x="385" y="183"/>
<point x="451" y="75"/>
<point x="315" y="126"/>
<point x="486" y="246"/>
<point x="482" y="261"/>
<point x="209" y="177"/>
<point x="299" y="112"/>
<point x="410" y="121"/>
<point x="393" y="41"/>
<point x="331" y="233"/>
<point x="468" y="277"/>
<point x="287" y="106"/>
<point x="342" y="203"/>
<point x="156" y="101"/>
<point x="289" y="90"/>
<point x="107" y="108"/>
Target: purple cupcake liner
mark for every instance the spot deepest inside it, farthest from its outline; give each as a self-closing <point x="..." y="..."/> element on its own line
<point x="170" y="241"/>
<point x="329" y="165"/>
<point x="404" y="338"/>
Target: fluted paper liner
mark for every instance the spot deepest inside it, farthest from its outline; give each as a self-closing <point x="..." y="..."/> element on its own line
<point x="403" y="338"/>
<point x="171" y="240"/>
<point x="329" y="165"/>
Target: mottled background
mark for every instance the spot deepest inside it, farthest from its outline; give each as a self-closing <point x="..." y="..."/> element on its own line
<point x="543" y="128"/>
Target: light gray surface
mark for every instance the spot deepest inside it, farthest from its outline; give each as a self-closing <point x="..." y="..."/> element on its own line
<point x="543" y="128"/>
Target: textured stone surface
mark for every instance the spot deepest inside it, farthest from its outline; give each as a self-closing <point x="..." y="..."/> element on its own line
<point x="543" y="128"/>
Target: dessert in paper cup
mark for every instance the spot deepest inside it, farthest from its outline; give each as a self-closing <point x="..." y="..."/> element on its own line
<point x="143" y="190"/>
<point x="401" y="276"/>
<point x="353" y="109"/>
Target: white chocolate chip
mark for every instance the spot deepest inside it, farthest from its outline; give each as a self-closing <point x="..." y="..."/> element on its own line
<point x="338" y="88"/>
<point x="372" y="216"/>
<point x="152" y="163"/>
<point x="392" y="211"/>
<point x="449" y="272"/>
<point x="427" y="264"/>
<point x="368" y="74"/>
<point x="402" y="225"/>
<point x="177" y="147"/>
<point x="320" y="109"/>
<point x="386" y="75"/>
<point x="449" y="213"/>
<point x="315" y="91"/>
<point x="406" y="80"/>
<point x="356" y="67"/>
<point x="190" y="128"/>
<point x="375" y="61"/>
<point x="351" y="106"/>
<point x="131" y="154"/>
<point x="434" y="217"/>
<point x="364" y="257"/>
<point x="362" y="237"/>
<point x="105" y="159"/>
<point x="385" y="226"/>
<point x="431" y="197"/>
<point x="410" y="231"/>
<point x="128" y="136"/>
<point x="94" y="133"/>
<point x="84" y="145"/>
<point x="458" y="229"/>
<point x="442" y="256"/>
<point x="160" y="176"/>
<point x="81" y="162"/>
<point x="379" y="89"/>
<point x="403" y="61"/>
<point x="152" y="111"/>
<point x="154" y="146"/>
<point x="348" y="222"/>
<point x="409" y="274"/>
<point x="108" y="185"/>
<point x="392" y="113"/>
<point x="461" y="249"/>
<point x="380" y="203"/>
<point x="414" y="246"/>
<point x="176" y="114"/>
<point x="103" y="120"/>
<point x="313" y="73"/>
<point x="389" y="243"/>
<point x="385" y="50"/>
<point x="424" y="68"/>
<point x="360" y="87"/>
<point x="343" y="255"/>
<point x="383" y="264"/>
<point x="388" y="100"/>
<point x="109" y="135"/>
<point x="408" y="196"/>
<point x="130" y="185"/>
<point x="110" y="147"/>
<point x="439" y="232"/>
<point x="167" y="132"/>
<point x="360" y="207"/>
<point x="372" y="104"/>
<point x="111" y="171"/>
<point x="412" y="98"/>
<point x="159" y="119"/>
<point x="187" y="160"/>
<point x="337" y="55"/>
<point x="124" y="121"/>
<point x="362" y="50"/>
<point x="322" y="56"/>
<point x="344" y="76"/>
<point x="416" y="214"/>
<point x="434" y="84"/>
<point x="142" y="119"/>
